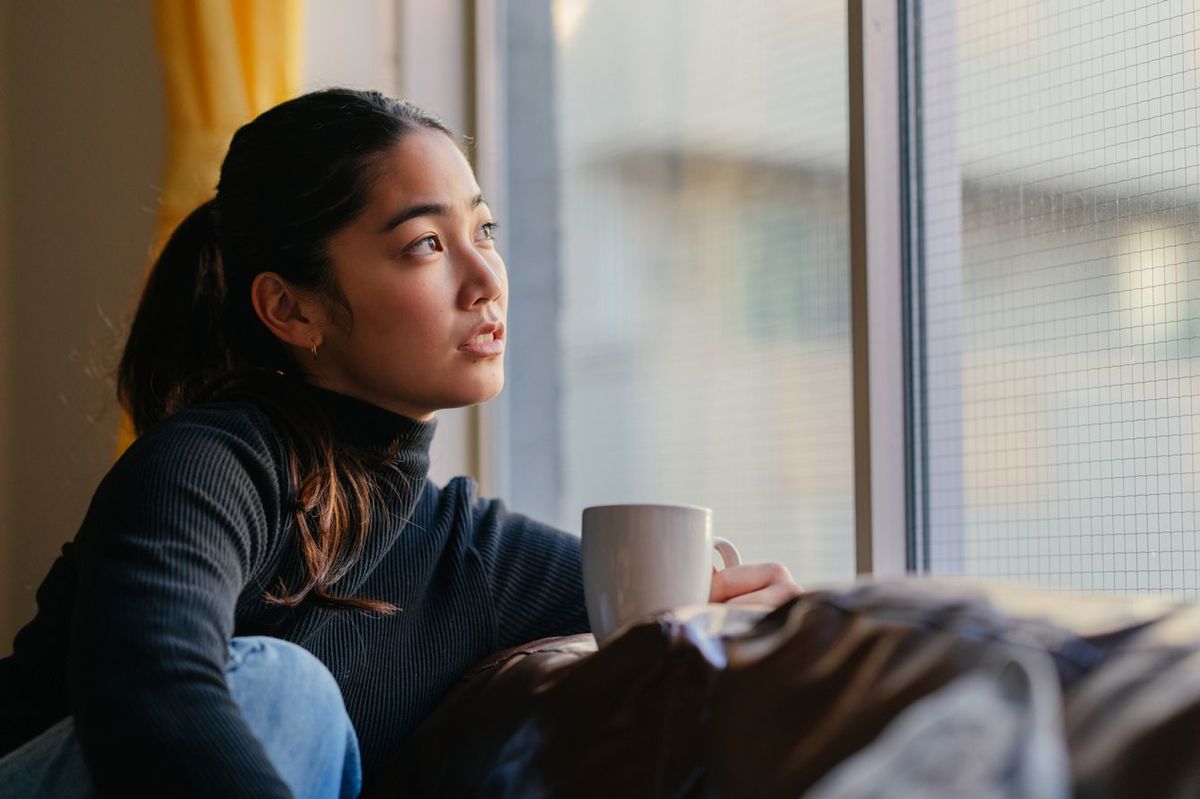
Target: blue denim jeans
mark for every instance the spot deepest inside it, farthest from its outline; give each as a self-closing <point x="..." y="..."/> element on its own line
<point x="289" y="699"/>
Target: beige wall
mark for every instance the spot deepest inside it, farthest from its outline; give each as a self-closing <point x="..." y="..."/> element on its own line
<point x="80" y="154"/>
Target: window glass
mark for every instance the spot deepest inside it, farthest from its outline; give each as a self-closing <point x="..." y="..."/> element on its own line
<point x="702" y="339"/>
<point x="1061" y="291"/>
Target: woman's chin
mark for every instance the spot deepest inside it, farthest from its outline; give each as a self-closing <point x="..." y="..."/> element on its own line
<point x="478" y="392"/>
<point x="490" y="391"/>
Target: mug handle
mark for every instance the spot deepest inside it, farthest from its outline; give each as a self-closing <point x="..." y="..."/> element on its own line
<point x="729" y="553"/>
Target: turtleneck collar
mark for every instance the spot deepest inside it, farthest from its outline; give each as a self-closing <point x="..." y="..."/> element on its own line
<point x="373" y="429"/>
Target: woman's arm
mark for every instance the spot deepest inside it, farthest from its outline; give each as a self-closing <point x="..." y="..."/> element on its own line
<point x="535" y="574"/>
<point x="171" y="538"/>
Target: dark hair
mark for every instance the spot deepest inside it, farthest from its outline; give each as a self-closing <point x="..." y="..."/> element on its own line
<point x="293" y="177"/>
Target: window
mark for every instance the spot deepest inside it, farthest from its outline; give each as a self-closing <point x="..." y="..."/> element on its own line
<point x="1060" y="292"/>
<point x="686" y="264"/>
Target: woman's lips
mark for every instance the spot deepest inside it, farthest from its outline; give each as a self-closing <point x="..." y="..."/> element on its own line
<point x="485" y="344"/>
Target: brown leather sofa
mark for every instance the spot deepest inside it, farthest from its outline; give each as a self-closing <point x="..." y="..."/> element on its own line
<point x="909" y="688"/>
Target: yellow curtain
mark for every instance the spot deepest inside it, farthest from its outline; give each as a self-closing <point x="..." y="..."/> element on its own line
<point x="224" y="62"/>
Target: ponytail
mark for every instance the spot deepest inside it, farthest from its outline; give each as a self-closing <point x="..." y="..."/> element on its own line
<point x="178" y="343"/>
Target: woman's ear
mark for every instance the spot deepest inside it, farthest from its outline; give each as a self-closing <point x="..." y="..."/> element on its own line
<point x="294" y="317"/>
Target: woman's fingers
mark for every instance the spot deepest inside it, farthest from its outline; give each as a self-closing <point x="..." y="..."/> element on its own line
<point x="753" y="583"/>
<point x="773" y="596"/>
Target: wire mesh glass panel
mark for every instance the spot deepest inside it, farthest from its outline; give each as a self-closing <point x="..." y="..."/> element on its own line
<point x="1061" y="291"/>
<point x="704" y="336"/>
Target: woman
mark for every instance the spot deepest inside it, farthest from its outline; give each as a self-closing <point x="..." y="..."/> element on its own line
<point x="267" y="595"/>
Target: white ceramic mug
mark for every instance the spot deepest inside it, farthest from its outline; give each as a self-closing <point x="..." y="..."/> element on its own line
<point x="640" y="559"/>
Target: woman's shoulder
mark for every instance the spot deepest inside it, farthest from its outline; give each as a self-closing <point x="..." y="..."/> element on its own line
<point x="220" y="431"/>
<point x="448" y="510"/>
<point x="459" y="504"/>
<point x="459" y="496"/>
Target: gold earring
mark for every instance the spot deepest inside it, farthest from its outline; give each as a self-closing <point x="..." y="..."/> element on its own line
<point x="313" y="350"/>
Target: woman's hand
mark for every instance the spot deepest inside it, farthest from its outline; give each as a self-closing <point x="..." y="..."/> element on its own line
<point x="753" y="584"/>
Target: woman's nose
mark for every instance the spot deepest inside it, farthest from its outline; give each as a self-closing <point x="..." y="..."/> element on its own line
<point x="484" y="278"/>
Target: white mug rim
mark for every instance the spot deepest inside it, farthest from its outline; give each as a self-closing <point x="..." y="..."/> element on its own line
<point x="677" y="505"/>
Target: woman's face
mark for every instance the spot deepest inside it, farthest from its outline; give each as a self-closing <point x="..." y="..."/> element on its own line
<point x="425" y="288"/>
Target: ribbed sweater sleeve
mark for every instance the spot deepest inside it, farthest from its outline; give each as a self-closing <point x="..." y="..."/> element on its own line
<point x="534" y="572"/>
<point x="172" y="537"/>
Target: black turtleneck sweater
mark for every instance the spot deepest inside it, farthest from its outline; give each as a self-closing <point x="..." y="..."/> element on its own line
<point x="182" y="539"/>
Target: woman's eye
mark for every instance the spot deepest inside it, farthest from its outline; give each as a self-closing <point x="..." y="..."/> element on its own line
<point x="489" y="230"/>
<point x="425" y="246"/>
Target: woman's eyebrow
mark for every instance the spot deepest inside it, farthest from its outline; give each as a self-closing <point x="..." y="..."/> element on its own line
<point x="426" y="209"/>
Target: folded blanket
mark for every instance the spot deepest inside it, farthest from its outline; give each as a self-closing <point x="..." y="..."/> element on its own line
<point x="909" y="688"/>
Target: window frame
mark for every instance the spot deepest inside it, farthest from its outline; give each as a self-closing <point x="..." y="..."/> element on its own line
<point x="878" y="289"/>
